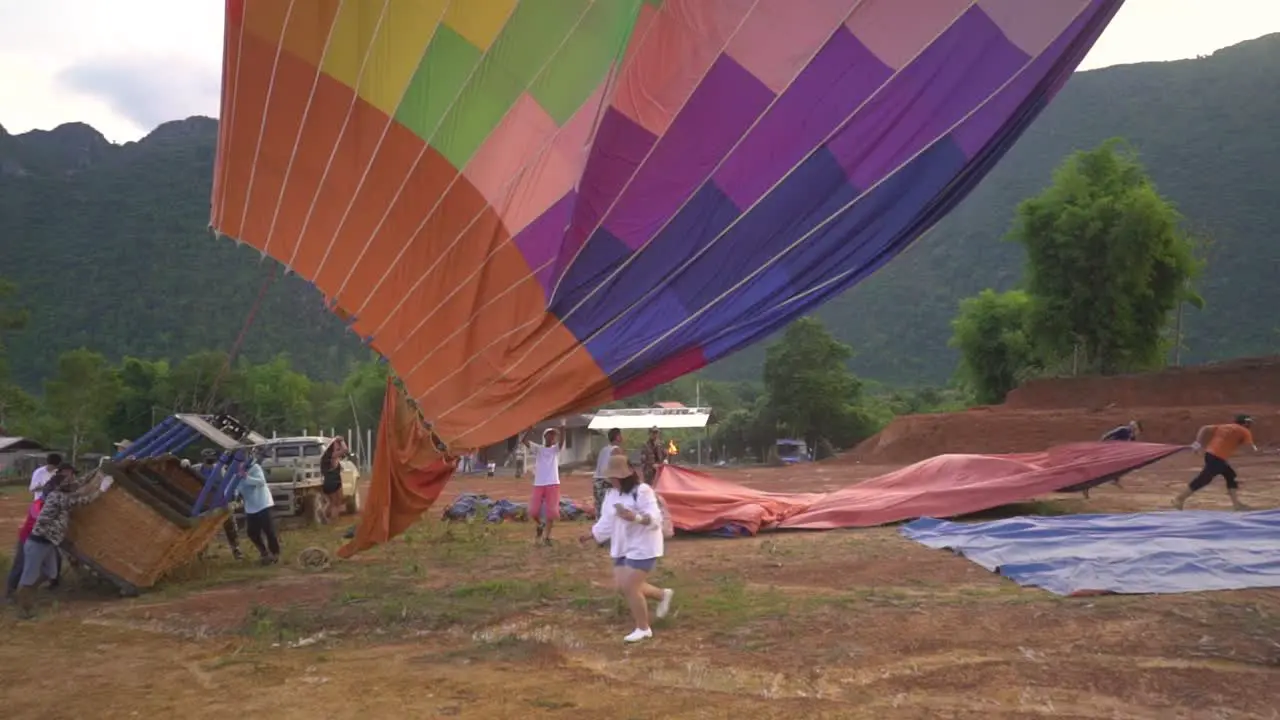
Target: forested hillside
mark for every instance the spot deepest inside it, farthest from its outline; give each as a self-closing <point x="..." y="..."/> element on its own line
<point x="109" y="248"/>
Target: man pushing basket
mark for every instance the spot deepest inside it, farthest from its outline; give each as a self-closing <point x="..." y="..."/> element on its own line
<point x="40" y="551"/>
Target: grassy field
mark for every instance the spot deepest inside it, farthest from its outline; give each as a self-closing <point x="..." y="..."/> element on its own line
<point x="472" y="620"/>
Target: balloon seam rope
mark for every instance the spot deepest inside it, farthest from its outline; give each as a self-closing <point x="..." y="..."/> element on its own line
<point x="440" y="254"/>
<point x="373" y="157"/>
<point x="658" y="141"/>
<point x="266" y="112"/>
<point x="608" y="84"/>
<point x="408" y="337"/>
<point x="816" y="288"/>
<point x="297" y="140"/>
<point x="827" y="283"/>
<point x="229" y="124"/>
<point x="770" y="262"/>
<point x="463" y="326"/>
<point x="342" y="132"/>
<point x="710" y="176"/>
<point x="819" y="145"/>
<point x="728" y="41"/>
<point x="799" y="241"/>
<point x="422" y="152"/>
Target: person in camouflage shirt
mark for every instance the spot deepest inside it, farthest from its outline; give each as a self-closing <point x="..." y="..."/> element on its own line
<point x="40" y="551"/>
<point x="652" y="456"/>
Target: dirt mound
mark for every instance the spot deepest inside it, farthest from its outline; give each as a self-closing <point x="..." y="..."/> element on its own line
<point x="1171" y="404"/>
<point x="997" y="430"/>
<point x="1252" y="381"/>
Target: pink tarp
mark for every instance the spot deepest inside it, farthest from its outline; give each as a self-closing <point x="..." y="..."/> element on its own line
<point x="942" y="486"/>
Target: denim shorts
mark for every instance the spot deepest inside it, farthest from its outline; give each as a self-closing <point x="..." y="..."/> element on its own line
<point x="645" y="565"/>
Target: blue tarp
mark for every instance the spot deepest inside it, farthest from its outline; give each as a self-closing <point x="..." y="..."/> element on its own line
<point x="477" y="504"/>
<point x="1157" y="552"/>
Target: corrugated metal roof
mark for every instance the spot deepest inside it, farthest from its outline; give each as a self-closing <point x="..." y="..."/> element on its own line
<point x="19" y="443"/>
<point x="645" y="418"/>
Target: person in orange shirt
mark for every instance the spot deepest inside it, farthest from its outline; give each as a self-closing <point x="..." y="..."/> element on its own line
<point x="1219" y="442"/>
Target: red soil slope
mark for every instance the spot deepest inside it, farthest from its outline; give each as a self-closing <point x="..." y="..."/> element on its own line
<point x="1171" y="405"/>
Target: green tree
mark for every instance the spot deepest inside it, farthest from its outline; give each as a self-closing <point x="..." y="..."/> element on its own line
<point x="146" y="396"/>
<point x="808" y="383"/>
<point x="275" y="397"/>
<point x="79" y="397"/>
<point x="1107" y="262"/>
<point x="358" y="402"/>
<point x="992" y="333"/>
<point x="202" y="381"/>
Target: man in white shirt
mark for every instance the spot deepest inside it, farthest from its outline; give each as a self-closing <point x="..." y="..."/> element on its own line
<point x="544" y="505"/>
<point x="601" y="483"/>
<point x="43" y="473"/>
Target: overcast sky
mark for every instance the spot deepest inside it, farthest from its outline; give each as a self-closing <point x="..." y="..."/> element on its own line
<point x="125" y="66"/>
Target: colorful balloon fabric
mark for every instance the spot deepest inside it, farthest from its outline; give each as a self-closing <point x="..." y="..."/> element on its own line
<point x="537" y="206"/>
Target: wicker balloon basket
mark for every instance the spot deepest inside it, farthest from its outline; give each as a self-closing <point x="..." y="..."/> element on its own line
<point x="143" y="527"/>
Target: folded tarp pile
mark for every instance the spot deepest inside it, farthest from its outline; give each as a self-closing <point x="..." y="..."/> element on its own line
<point x="468" y="505"/>
<point x="943" y="486"/>
<point x="1158" y="552"/>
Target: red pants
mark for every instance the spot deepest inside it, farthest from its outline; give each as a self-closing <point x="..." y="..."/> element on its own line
<point x="545" y="503"/>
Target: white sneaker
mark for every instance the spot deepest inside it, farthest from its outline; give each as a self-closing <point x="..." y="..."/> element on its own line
<point x="637" y="635"/>
<point x="664" y="605"/>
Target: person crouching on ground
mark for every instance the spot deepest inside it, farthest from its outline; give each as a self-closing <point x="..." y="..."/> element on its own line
<point x="632" y="523"/>
<point x="1129" y="432"/>
<point x="40" y="551"/>
<point x="544" y="504"/>
<point x="1219" y="443"/>
<point x="257" y="511"/>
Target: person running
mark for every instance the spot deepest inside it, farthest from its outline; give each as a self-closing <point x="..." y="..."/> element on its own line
<point x="257" y="511"/>
<point x="208" y="465"/>
<point x="600" y="483"/>
<point x="632" y="525"/>
<point x="652" y="456"/>
<point x="40" y="551"/>
<point x="544" y="504"/>
<point x="1219" y="443"/>
<point x="331" y="476"/>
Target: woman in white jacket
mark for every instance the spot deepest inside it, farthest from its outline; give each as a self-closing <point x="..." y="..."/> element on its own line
<point x="631" y="522"/>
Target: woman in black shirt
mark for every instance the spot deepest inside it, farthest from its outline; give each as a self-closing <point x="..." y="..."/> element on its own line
<point x="331" y="473"/>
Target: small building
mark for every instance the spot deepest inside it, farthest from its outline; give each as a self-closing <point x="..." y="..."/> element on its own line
<point x="15" y="449"/>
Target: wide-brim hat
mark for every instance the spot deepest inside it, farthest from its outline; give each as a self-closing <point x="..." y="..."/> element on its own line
<point x="122" y="444"/>
<point x="618" y="468"/>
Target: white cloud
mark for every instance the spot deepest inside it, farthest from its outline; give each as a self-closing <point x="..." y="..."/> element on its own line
<point x="146" y="91"/>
